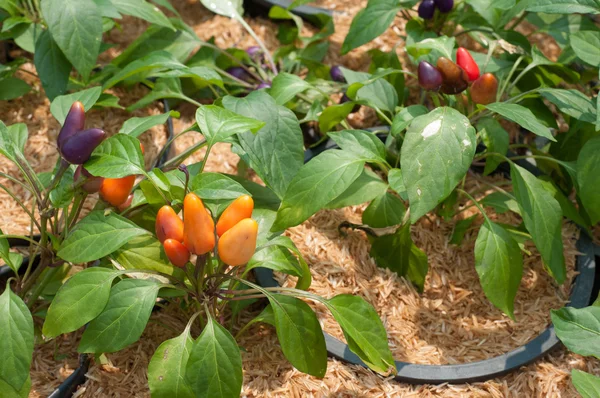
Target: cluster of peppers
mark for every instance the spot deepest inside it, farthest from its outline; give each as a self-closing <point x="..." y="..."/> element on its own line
<point x="255" y="53"/>
<point x="451" y="78"/>
<point x="427" y="7"/>
<point x="196" y="233"/>
<point x="76" y="145"/>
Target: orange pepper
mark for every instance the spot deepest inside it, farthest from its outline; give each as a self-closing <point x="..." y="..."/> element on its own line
<point x="238" y="210"/>
<point x="198" y="226"/>
<point x="237" y="246"/>
<point x="168" y="225"/>
<point x="178" y="254"/>
<point x="116" y="190"/>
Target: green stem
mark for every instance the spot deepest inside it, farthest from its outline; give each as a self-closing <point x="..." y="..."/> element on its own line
<point x="476" y="203"/>
<point x="383" y="116"/>
<point x="177" y="160"/>
<point x="259" y="41"/>
<point x="39" y="288"/>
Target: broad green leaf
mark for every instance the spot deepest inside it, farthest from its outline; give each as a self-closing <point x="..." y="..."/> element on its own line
<point x="19" y="135"/>
<point x="362" y="143"/>
<point x="365" y="188"/>
<point x="522" y="116"/>
<point x="62" y="194"/>
<point x="437" y="152"/>
<point x="146" y="253"/>
<point x="586" y="384"/>
<point x="136" y="126"/>
<point x="542" y="216"/>
<point x="214" y="367"/>
<point x="305" y="278"/>
<point x="276" y="258"/>
<point x="217" y="191"/>
<point x="571" y="102"/>
<point x="568" y="208"/>
<point x="499" y="264"/>
<point x="11" y="88"/>
<point x="163" y="89"/>
<point x="276" y="151"/>
<point x="334" y="114"/>
<point x="10" y="144"/>
<point x="370" y="22"/>
<point x="495" y="139"/>
<point x="124" y="318"/>
<point x="363" y="330"/>
<point x="381" y="59"/>
<point x="52" y="66"/>
<point x="299" y="334"/>
<point x="460" y="229"/>
<point x="373" y="90"/>
<point x="218" y="124"/>
<point x="285" y="86"/>
<point x="403" y="118"/>
<point x="385" y="211"/>
<point x="76" y="27"/>
<point x="229" y="9"/>
<point x="578" y="329"/>
<point x="13" y="260"/>
<point x="116" y="157"/>
<point x="588" y="164"/>
<point x="417" y="267"/>
<point x="564" y="6"/>
<point x="442" y="45"/>
<point x="397" y="183"/>
<point x="158" y="60"/>
<point x="143" y="10"/>
<point x="16" y="340"/>
<point x="60" y="105"/>
<point x="9" y="391"/>
<point x="202" y="76"/>
<point x="81" y="299"/>
<point x="166" y="370"/>
<point x="96" y="236"/>
<point x="501" y="203"/>
<point x="317" y="183"/>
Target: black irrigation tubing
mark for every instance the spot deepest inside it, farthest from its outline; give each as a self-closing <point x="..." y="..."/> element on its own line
<point x="581" y="295"/>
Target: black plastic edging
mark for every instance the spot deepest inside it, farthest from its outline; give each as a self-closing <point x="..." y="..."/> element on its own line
<point x="581" y="295"/>
<point x="310" y="14"/>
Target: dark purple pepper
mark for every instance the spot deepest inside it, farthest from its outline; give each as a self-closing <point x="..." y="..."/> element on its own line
<point x="427" y="9"/>
<point x="239" y="72"/>
<point x="74" y="122"/>
<point x="336" y="74"/>
<point x="345" y="99"/>
<point x="78" y="148"/>
<point x="92" y="184"/>
<point x="256" y="54"/>
<point x="263" y="85"/>
<point x="444" y="5"/>
<point x="430" y="77"/>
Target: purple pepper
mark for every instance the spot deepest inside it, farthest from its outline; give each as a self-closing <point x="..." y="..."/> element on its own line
<point x="426" y="9"/>
<point x="444" y="5"/>
<point x="74" y="122"/>
<point x="78" y="148"/>
<point x="345" y="99"/>
<point x="263" y="85"/>
<point x="255" y="53"/>
<point x="239" y="72"/>
<point x="430" y="77"/>
<point x="336" y="74"/>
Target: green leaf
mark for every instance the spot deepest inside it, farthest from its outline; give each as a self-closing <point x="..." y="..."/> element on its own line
<point x="365" y="188"/>
<point x="16" y="340"/>
<point x="437" y="152"/>
<point x="380" y="59"/>
<point x="96" y="236"/>
<point x="285" y="86"/>
<point x="363" y="330"/>
<point x="19" y="135"/>
<point x="362" y="143"/>
<point x="299" y="334"/>
<point x="542" y="216"/>
<point x="495" y="139"/>
<point x="158" y="60"/>
<point x="333" y="115"/>
<point x="564" y="6"/>
<point x="316" y="184"/>
<point x="81" y="299"/>
<point x="499" y="264"/>
<point x="217" y="190"/>
<point x="229" y="9"/>
<point x="276" y="258"/>
<point x="8" y="390"/>
<point x="164" y="88"/>
<point x="52" y="66"/>
<point x="586" y="384"/>
<point x="276" y="151"/>
<point x="116" y="157"/>
<point x="372" y="90"/>
<point x="10" y="143"/>
<point x="13" y="260"/>
<point x="60" y="105"/>
<point x="568" y="208"/>
<point x="136" y="126"/>
<point x="146" y="253"/>
<point x="522" y="116"/>
<point x="143" y="10"/>
<point x="124" y="318"/>
<point x="578" y="329"/>
<point x="588" y="164"/>
<point x="217" y="124"/>
<point x="397" y="183"/>
<point x="403" y="118"/>
<point x="11" y="88"/>
<point x="214" y="368"/>
<point x="304" y="279"/>
<point x="385" y="211"/>
<point x="572" y="103"/>
<point x="76" y="27"/>
<point x="166" y="370"/>
<point x="461" y="228"/>
<point x="442" y="45"/>
<point x="62" y="195"/>
<point x="501" y="202"/>
<point x="370" y="22"/>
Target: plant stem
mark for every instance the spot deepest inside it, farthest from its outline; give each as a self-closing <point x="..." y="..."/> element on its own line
<point x="177" y="160"/>
<point x="39" y="289"/>
<point x="476" y="203"/>
<point x="259" y="41"/>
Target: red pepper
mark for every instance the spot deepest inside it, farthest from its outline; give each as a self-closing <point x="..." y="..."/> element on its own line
<point x="466" y="61"/>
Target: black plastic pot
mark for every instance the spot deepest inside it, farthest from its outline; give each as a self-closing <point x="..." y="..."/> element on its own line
<point x="262" y="7"/>
<point x="581" y="296"/>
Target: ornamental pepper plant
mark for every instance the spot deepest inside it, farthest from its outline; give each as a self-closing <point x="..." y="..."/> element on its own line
<point x="175" y="234"/>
